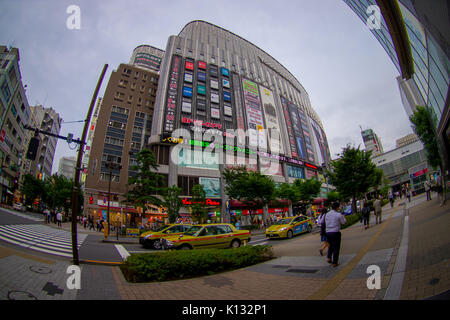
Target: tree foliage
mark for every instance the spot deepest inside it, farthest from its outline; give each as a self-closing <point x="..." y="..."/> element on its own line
<point x="172" y="202"/>
<point x="308" y="189"/>
<point x="199" y="210"/>
<point x="31" y="188"/>
<point x="423" y="127"/>
<point x="353" y="174"/>
<point x="147" y="184"/>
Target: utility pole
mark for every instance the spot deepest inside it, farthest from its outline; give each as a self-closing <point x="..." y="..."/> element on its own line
<point x="78" y="169"/>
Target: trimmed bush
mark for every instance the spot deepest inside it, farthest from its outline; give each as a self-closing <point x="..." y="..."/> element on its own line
<point x="351" y="219"/>
<point x="182" y="264"/>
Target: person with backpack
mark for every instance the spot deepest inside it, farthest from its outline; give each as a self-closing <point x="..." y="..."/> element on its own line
<point x="365" y="213"/>
<point x="323" y="236"/>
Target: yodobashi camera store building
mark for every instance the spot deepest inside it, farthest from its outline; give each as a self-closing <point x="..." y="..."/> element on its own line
<point x="218" y="91"/>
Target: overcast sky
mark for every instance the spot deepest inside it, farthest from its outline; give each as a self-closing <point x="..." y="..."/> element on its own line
<point x="349" y="77"/>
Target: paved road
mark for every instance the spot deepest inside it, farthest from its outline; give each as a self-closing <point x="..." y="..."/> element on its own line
<point x="410" y="248"/>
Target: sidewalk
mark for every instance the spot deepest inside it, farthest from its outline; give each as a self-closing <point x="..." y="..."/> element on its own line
<point x="297" y="273"/>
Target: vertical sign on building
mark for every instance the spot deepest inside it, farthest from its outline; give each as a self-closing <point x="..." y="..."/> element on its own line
<point x="297" y="128"/>
<point x="306" y="134"/>
<point x="255" y="121"/>
<point x="169" y="117"/>
<point x="319" y="141"/>
<point x="240" y="124"/>
<point x="272" y="121"/>
<point x="290" y="130"/>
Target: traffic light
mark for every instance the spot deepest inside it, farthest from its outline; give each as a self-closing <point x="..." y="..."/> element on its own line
<point x="91" y="200"/>
<point x="33" y="148"/>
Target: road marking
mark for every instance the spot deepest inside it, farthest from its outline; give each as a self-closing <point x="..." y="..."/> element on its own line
<point x="40" y="238"/>
<point x="334" y="282"/>
<point x="122" y="251"/>
<point x="395" y="285"/>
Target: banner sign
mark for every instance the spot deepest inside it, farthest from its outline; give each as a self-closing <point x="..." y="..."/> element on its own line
<point x="169" y="118"/>
<point x="290" y="130"/>
<point x="306" y="134"/>
<point x="272" y="120"/>
<point x="255" y="122"/>
<point x="148" y="60"/>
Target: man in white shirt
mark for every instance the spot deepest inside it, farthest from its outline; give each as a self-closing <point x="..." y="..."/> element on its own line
<point x="333" y="221"/>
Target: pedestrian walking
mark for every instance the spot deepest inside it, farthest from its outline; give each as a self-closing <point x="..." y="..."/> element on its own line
<point x="323" y="236"/>
<point x="333" y="221"/>
<point x="428" y="189"/>
<point x="408" y="194"/>
<point x="91" y="223"/>
<point x="365" y="213"/>
<point x="439" y="189"/>
<point x="59" y="218"/>
<point x="391" y="198"/>
<point x="377" y="209"/>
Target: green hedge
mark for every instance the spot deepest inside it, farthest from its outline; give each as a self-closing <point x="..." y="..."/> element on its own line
<point x="351" y="219"/>
<point x="182" y="264"/>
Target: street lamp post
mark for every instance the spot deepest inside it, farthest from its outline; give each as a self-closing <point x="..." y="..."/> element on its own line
<point x="111" y="166"/>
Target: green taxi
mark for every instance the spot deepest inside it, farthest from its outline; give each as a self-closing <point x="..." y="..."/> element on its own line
<point x="150" y="239"/>
<point x="205" y="236"/>
<point x="289" y="227"/>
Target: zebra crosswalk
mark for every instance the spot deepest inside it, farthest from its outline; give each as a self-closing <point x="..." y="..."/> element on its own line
<point x="41" y="238"/>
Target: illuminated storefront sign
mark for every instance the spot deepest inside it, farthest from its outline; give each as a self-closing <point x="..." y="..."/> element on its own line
<point x="226" y="96"/>
<point x="201" y="89"/>
<point x="225" y="72"/>
<point x="189" y="65"/>
<point x="187" y="92"/>
<point x="148" y="60"/>
<point x="201" y="123"/>
<point x="211" y="186"/>
<point x="202" y="65"/>
<point x="208" y="202"/>
<point x="202" y="76"/>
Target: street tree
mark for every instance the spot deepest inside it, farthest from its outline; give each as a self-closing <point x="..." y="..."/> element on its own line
<point x="423" y="127"/>
<point x="199" y="210"/>
<point x="32" y="188"/>
<point x="353" y="174"/>
<point x="147" y="186"/>
<point x="252" y="188"/>
<point x="57" y="193"/>
<point x="172" y="202"/>
<point x="308" y="189"/>
<point x="288" y="192"/>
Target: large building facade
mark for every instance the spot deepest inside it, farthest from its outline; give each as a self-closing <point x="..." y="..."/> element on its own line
<point x="232" y="104"/>
<point x="14" y="114"/>
<point x="210" y="101"/>
<point x="120" y="128"/>
<point x="372" y="142"/>
<point x="414" y="34"/>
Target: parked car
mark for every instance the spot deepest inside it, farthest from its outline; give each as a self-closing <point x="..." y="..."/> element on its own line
<point x="205" y="236"/>
<point x="289" y="227"/>
<point x="150" y="239"/>
<point x="19" y="207"/>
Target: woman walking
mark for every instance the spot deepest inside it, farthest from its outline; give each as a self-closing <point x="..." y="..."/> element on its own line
<point x="323" y="236"/>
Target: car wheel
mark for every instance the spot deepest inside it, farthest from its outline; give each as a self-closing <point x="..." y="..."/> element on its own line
<point x="235" y="243"/>
<point x="309" y="228"/>
<point x="289" y="234"/>
<point x="148" y="244"/>
<point x="157" y="245"/>
<point x="185" y="247"/>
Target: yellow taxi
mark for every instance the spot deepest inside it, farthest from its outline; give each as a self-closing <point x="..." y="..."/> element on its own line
<point x="289" y="227"/>
<point x="205" y="236"/>
<point x="150" y="239"/>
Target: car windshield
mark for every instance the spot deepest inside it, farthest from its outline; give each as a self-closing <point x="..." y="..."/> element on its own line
<point x="283" y="221"/>
<point x="161" y="228"/>
<point x="193" y="230"/>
